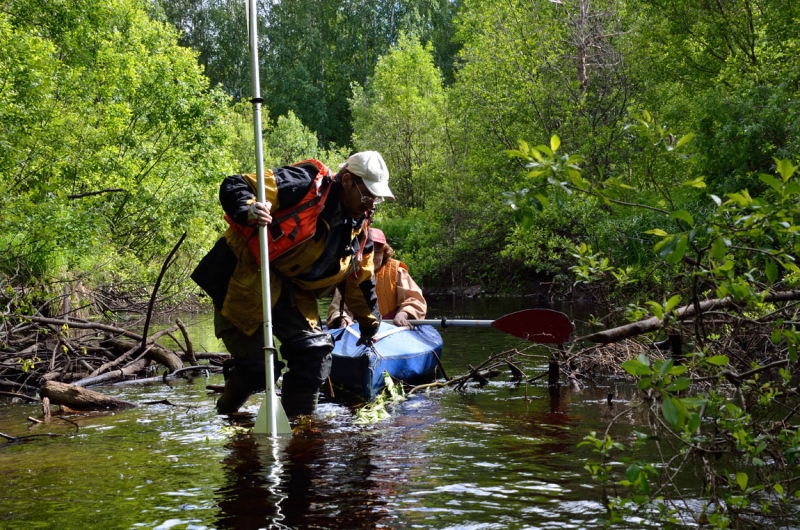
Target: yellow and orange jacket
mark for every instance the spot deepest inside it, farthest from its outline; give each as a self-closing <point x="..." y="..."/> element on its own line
<point x="396" y="290"/>
<point x="337" y="251"/>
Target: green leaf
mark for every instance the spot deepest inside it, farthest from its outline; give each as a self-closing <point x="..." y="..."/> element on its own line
<point x="771" y="270"/>
<point x="678" y="370"/>
<point x="670" y="412"/>
<point x="785" y="168"/>
<point x="699" y="182"/>
<point x="684" y="139"/>
<point x="693" y="423"/>
<point x="633" y="472"/>
<point x="677" y="254"/>
<point x="771" y="181"/>
<point x="728" y="265"/>
<point x="665" y="246"/>
<point x="672" y="303"/>
<point x="555" y="142"/>
<point x="717" y="360"/>
<point x="683" y="215"/>
<point x="656" y="309"/>
<point x="657" y="232"/>
<point x="678" y="385"/>
<point x="631" y="366"/>
<point x="665" y="367"/>
<point x="718" y="249"/>
<point x="694" y="402"/>
<point x="741" y="480"/>
<point x="635" y="368"/>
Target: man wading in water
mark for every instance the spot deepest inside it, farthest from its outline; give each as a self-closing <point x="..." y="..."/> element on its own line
<point x="317" y="239"/>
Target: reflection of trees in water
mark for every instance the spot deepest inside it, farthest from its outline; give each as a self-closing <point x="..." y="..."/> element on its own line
<point x="323" y="476"/>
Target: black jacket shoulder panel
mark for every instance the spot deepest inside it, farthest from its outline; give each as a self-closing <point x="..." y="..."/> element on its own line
<point x="234" y="194"/>
<point x="293" y="183"/>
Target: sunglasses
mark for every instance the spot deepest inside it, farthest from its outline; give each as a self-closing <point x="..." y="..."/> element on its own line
<point x="368" y="197"/>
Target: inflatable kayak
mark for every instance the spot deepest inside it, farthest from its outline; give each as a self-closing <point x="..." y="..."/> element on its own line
<point x="409" y="355"/>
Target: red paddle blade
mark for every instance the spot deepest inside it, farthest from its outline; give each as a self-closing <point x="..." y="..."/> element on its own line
<point x="536" y="325"/>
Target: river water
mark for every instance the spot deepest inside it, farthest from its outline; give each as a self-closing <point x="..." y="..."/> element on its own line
<point x="504" y="456"/>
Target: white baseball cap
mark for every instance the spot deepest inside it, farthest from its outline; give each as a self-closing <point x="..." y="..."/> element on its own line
<point x="369" y="165"/>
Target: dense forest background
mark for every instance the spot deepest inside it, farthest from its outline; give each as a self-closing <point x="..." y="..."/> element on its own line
<point x="638" y="153"/>
<point x="119" y="120"/>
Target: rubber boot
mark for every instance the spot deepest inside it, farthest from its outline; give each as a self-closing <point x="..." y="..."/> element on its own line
<point x="299" y="401"/>
<point x="243" y="378"/>
<point x="309" y="359"/>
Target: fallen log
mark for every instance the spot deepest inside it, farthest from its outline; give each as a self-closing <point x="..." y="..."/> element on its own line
<point x="130" y="369"/>
<point x="77" y="398"/>
<point x="155" y="352"/>
<point x="682" y="313"/>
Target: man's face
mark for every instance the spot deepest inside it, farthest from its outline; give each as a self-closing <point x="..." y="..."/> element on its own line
<point x="356" y="199"/>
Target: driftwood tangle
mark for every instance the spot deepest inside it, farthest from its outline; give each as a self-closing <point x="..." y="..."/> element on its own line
<point x="52" y="346"/>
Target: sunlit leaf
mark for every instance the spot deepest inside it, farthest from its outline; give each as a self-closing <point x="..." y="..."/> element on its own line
<point x="683" y="215"/>
<point x="741" y="480"/>
<point x="717" y="360"/>
<point x="656" y="309"/>
<point x="684" y="140"/>
<point x="699" y="182"/>
<point x="672" y="303"/>
<point x="770" y="181"/>
<point x="785" y="168"/>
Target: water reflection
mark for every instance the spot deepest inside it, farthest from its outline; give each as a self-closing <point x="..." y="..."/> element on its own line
<point x="328" y="474"/>
<point x="250" y="497"/>
<point x="496" y="459"/>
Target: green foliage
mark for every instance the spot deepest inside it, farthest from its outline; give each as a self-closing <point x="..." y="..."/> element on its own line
<point x="290" y="141"/>
<point x="217" y="31"/>
<point x="28" y="364"/>
<point x="726" y="74"/>
<point x="544" y="239"/>
<point x="417" y="242"/>
<point x="313" y="51"/>
<point x="741" y="248"/>
<point x="115" y="141"/>
<point x="695" y="425"/>
<point x="376" y="410"/>
<point x="400" y="114"/>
